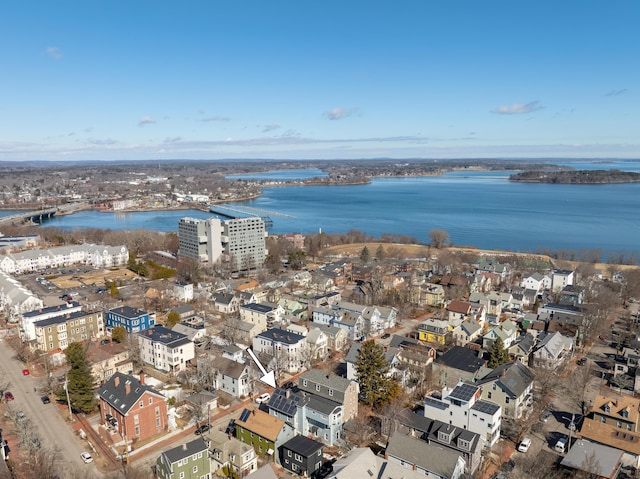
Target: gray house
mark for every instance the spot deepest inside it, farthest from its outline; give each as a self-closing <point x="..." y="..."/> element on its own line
<point x="509" y="386"/>
<point x="431" y="459"/>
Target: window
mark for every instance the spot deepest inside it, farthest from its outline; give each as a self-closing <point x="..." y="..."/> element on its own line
<point x="150" y="400"/>
<point x="506" y="400"/>
<point x="298" y="457"/>
<point x="330" y="392"/>
<point x="195" y="469"/>
<point x="182" y="475"/>
<point x="618" y="424"/>
<point x="289" y="453"/>
<point x="141" y="404"/>
<point x="317" y="387"/>
<point x="489" y="395"/>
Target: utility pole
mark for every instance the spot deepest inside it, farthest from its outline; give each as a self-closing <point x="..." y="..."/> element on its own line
<point x="66" y="388"/>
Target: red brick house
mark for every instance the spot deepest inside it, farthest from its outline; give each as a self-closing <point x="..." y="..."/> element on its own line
<point x="132" y="408"/>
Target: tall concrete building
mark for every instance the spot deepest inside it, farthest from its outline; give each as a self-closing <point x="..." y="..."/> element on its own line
<point x="241" y="241"/>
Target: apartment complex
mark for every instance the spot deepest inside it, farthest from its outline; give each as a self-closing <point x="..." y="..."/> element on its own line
<point x="238" y="240"/>
<point x="60" y="331"/>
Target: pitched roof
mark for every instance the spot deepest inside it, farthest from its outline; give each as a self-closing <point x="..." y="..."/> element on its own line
<point x="229" y="367"/>
<point x="302" y="445"/>
<point x="185" y="450"/>
<point x="581" y="457"/>
<point x="459" y="307"/>
<point x="514" y="378"/>
<point x="281" y="336"/>
<point x="262" y="424"/>
<point x="461" y="358"/>
<point x="431" y="457"/>
<point x="122" y="392"/>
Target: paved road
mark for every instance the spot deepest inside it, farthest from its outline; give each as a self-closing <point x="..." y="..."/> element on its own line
<point x="54" y="432"/>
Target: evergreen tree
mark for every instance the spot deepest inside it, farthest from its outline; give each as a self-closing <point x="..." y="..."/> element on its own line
<point x="80" y="382"/>
<point x="372" y="368"/>
<point x="365" y="256"/>
<point x="498" y="355"/>
<point x="380" y="254"/>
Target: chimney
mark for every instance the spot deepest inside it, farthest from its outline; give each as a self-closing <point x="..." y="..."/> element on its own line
<point x="503" y="373"/>
<point x="287" y="393"/>
<point x="253" y="411"/>
<point x="141" y="378"/>
<point x="127" y="388"/>
<point x="184" y="446"/>
<point x="116" y="381"/>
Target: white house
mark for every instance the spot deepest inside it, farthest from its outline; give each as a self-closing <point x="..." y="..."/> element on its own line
<point x="561" y="278"/>
<point x="29" y="318"/>
<point x="537" y="282"/>
<point x="288" y="350"/>
<point x="165" y="350"/>
<point x="232" y="377"/>
<point x="15" y="299"/>
<point x="318" y="344"/>
<point x="183" y="291"/>
<point x="463" y="408"/>
<point x="552" y="350"/>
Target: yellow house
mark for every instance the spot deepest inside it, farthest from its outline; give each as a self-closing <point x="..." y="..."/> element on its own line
<point x="434" y="331"/>
<point x="433" y="295"/>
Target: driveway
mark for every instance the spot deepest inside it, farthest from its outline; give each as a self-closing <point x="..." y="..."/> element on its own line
<point x="54" y="432"/>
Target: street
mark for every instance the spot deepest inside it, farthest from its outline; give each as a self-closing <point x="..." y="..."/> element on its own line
<point x="55" y="433"/>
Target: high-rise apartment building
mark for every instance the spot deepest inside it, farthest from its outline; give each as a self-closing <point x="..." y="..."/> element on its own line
<point x="240" y="240"/>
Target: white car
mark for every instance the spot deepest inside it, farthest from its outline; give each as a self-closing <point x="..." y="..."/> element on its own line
<point x="524" y="445"/>
<point x="263" y="398"/>
<point x="86" y="457"/>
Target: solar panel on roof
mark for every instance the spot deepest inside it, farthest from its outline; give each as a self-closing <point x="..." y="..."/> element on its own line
<point x="245" y="415"/>
<point x="464" y="392"/>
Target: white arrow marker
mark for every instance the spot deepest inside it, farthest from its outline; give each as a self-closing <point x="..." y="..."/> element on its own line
<point x="268" y="377"/>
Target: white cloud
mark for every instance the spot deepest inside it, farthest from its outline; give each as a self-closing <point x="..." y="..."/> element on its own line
<point x="215" y="118"/>
<point x="622" y="91"/>
<point x="518" y="108"/>
<point x="55" y="53"/>
<point x="268" y="128"/>
<point x="146" y="120"/>
<point x="340" y="113"/>
<point x="174" y="139"/>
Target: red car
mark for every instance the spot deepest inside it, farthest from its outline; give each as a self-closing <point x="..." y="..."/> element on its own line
<point x="8" y="396"/>
<point x="25" y="372"/>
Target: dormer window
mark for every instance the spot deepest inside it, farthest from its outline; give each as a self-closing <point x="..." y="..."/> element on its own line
<point x="607" y="408"/>
<point x="625" y="412"/>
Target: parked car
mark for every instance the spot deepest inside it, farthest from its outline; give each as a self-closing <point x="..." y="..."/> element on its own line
<point x="25" y="372"/>
<point x="86" y="457"/>
<point x="545" y="416"/>
<point x="524" y="445"/>
<point x="8" y="396"/>
<point x="263" y="398"/>
<point x="202" y="429"/>
<point x="582" y="361"/>
<point x="386" y="336"/>
<point x="561" y="445"/>
<point x="45" y="399"/>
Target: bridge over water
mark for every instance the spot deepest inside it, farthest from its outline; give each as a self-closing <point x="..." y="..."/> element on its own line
<point x="38" y="216"/>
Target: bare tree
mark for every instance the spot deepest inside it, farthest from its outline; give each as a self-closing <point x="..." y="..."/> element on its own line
<point x="438" y="238"/>
<point x="577" y="386"/>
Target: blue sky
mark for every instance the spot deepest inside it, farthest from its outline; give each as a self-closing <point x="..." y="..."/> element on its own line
<point x="130" y="80"/>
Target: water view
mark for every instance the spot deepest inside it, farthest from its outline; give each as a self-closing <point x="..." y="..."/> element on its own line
<point x="481" y="209"/>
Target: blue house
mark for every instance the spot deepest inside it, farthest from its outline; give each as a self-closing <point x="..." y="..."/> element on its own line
<point x="132" y="319"/>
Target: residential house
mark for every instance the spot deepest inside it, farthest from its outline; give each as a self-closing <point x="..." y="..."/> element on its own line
<point x="165" y="350"/>
<point x="225" y="303"/>
<point x="30" y="317"/>
<point x="435" y="331"/>
<point x="227" y="452"/>
<point x="241" y="331"/>
<point x="108" y="359"/>
<point x="264" y="432"/>
<point x="309" y="414"/>
<point x="410" y="361"/>
<point x="564" y="313"/>
<point x="301" y="455"/>
<point x="537" y="282"/>
<point x="232" y="377"/>
<point x="201" y="404"/>
<point x="458" y="364"/>
<point x="593" y="460"/>
<point x="332" y="387"/>
<point x="467" y="444"/>
<point x="132" y="319"/>
<point x="463" y="408"/>
<point x="183" y="291"/>
<point x="318" y="344"/>
<point x="466" y="332"/>
<point x="188" y="461"/>
<point x="194" y="329"/>
<point x="288" y="350"/>
<point x="571" y="294"/>
<point x="264" y="315"/>
<point x="459" y="310"/>
<point x="522" y="349"/>
<point x="614" y="421"/>
<point x="506" y="330"/>
<point x="552" y="350"/>
<point x="336" y="337"/>
<point x="133" y="409"/>
<point x="362" y="463"/>
<point x="509" y="385"/>
<point x="185" y="311"/>
<point x="352" y="324"/>
<point x="432" y="460"/>
<point x="432" y="295"/>
<point x="60" y="331"/>
<point x="561" y="278"/>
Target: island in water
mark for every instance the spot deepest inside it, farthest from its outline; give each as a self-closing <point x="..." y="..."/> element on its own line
<point x="582" y="177"/>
